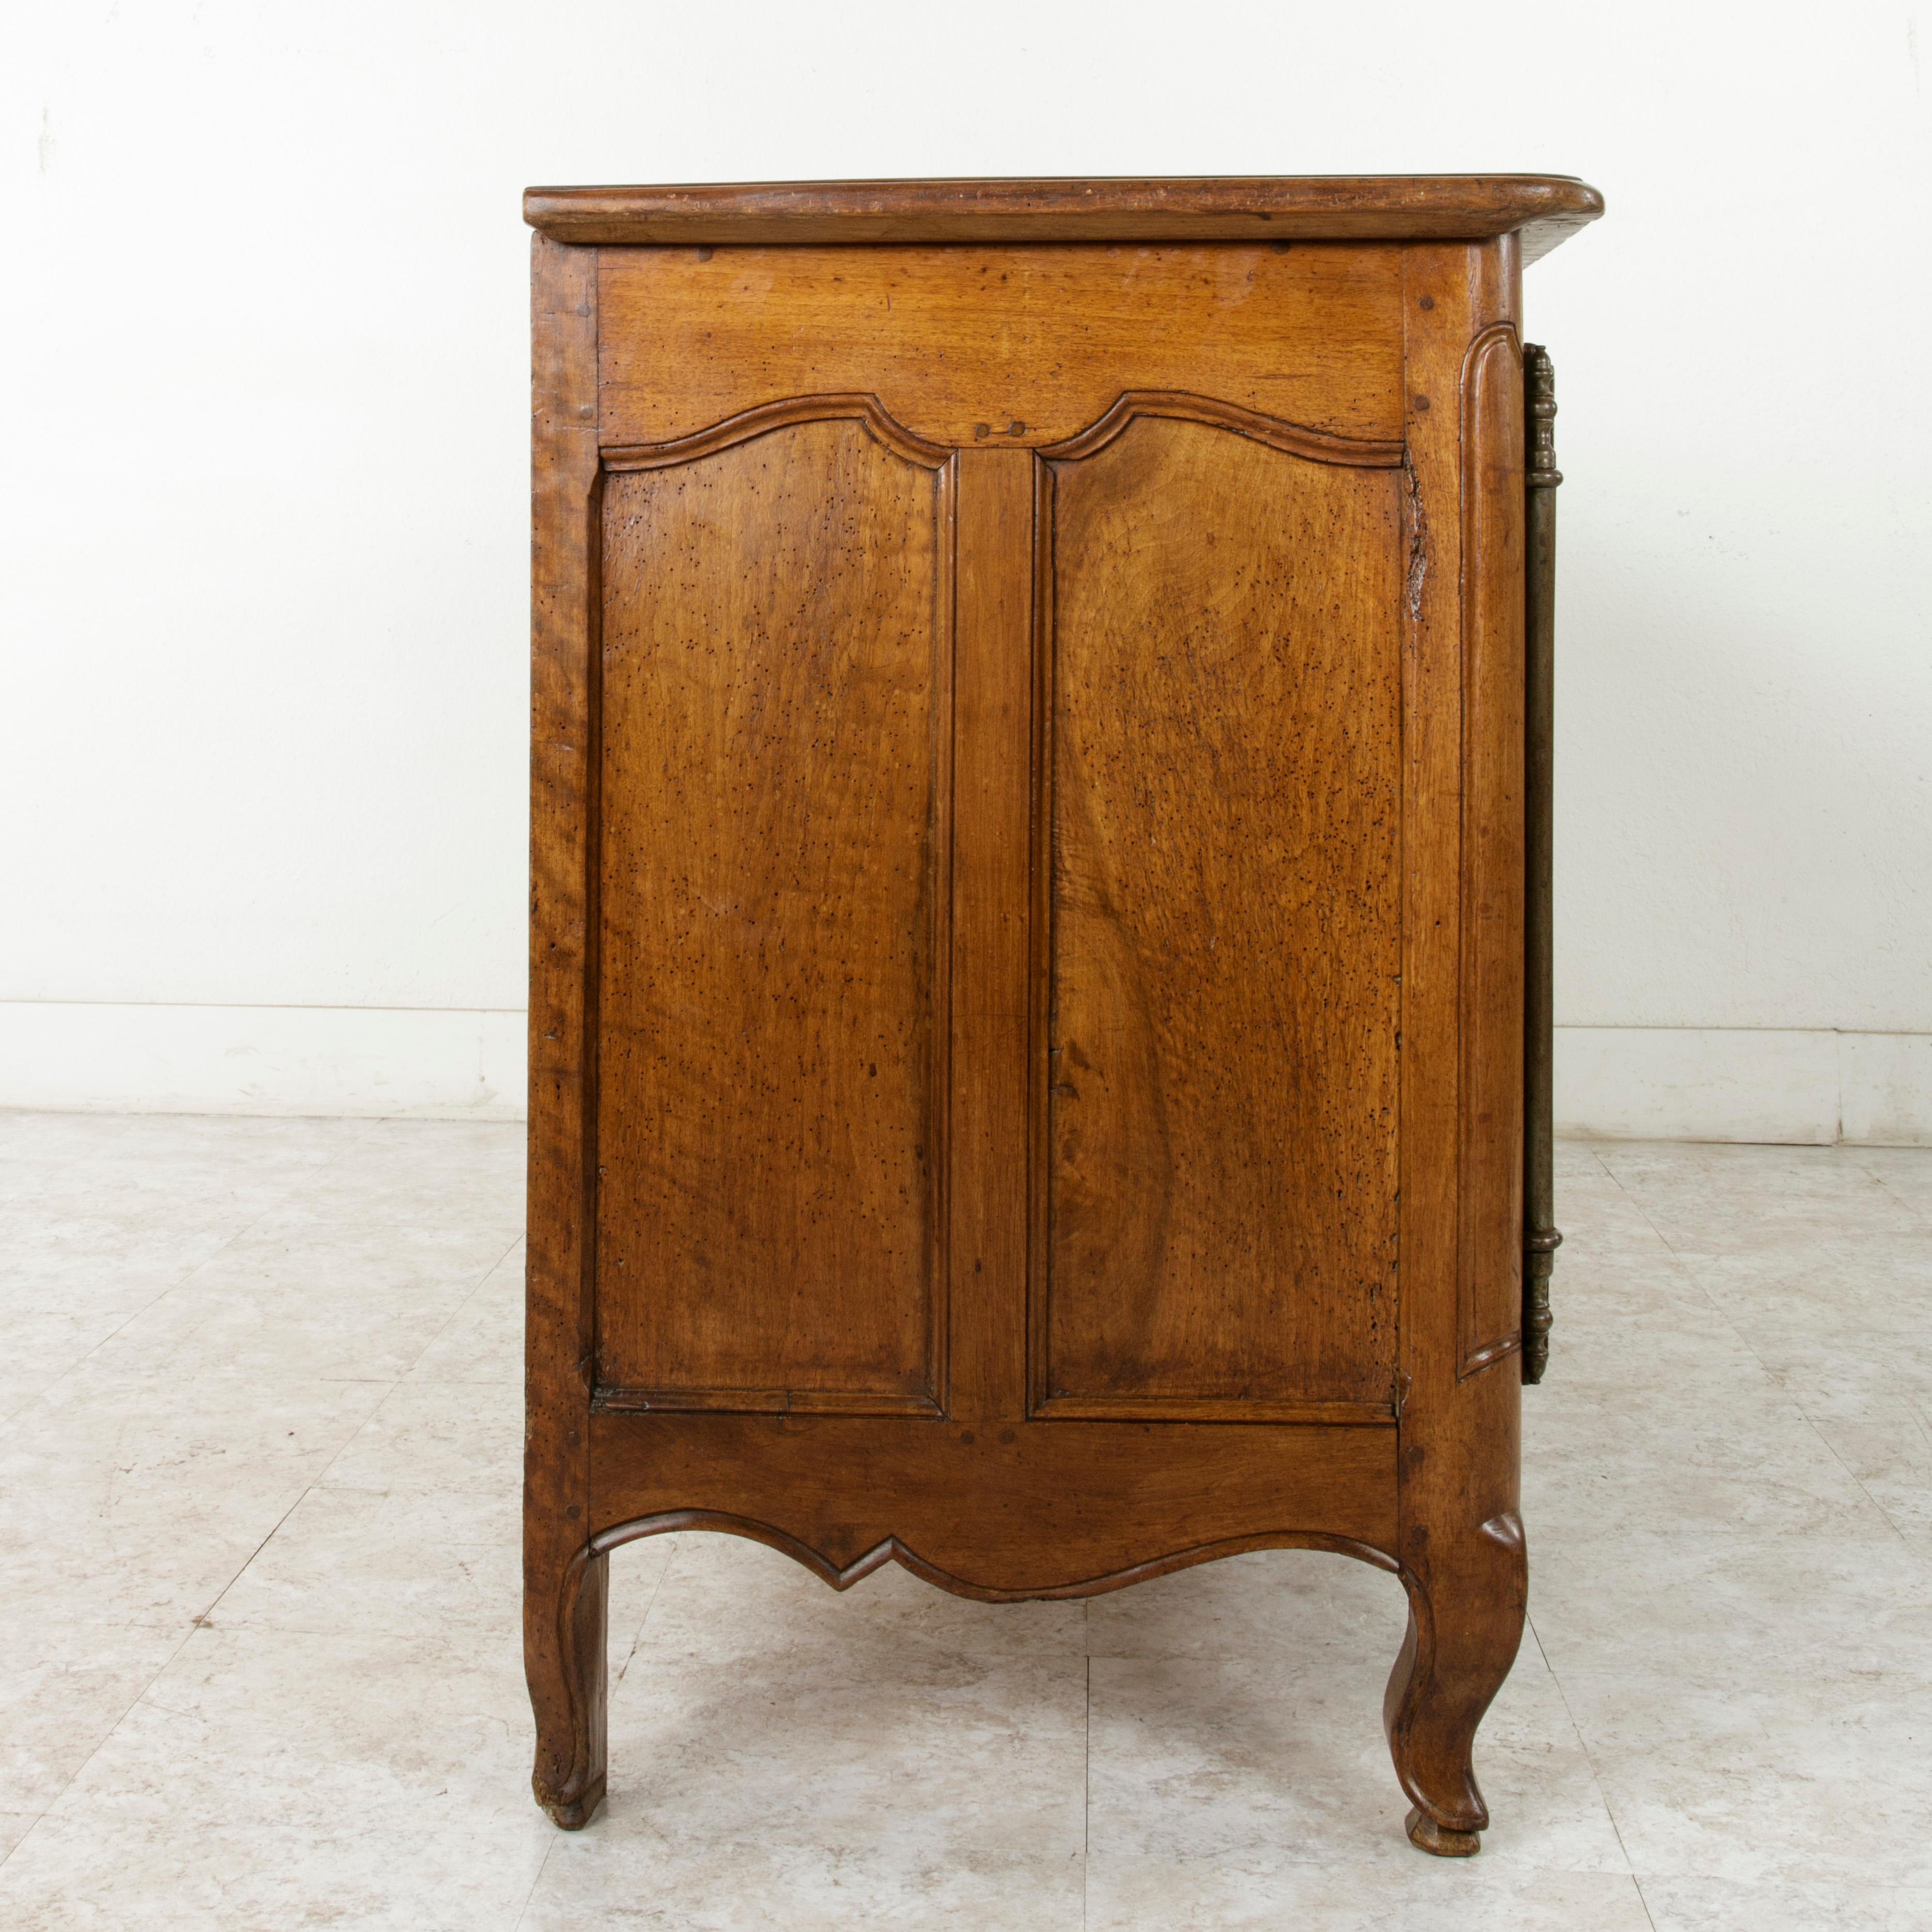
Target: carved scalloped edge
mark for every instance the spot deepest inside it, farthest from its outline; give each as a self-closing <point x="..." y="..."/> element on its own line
<point x="573" y="1802"/>
<point x="867" y="409"/>
<point x="1317" y="445"/>
<point x="892" y="1550"/>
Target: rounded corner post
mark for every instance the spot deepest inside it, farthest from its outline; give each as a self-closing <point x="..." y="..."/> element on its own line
<point x="1459" y="1536"/>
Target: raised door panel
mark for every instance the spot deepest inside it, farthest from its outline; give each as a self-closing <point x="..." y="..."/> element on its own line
<point x="776" y="733"/>
<point x="1216" y="1075"/>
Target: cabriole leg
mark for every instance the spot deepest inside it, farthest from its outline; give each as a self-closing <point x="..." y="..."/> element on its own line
<point x="1465" y="1619"/>
<point x="564" y="1657"/>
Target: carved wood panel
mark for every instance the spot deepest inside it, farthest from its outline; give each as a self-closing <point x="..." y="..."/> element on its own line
<point x="1218" y="933"/>
<point x="968" y="346"/>
<point x="774" y="823"/>
<point x="948" y="656"/>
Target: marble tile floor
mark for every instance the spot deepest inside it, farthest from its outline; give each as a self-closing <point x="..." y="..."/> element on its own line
<point x="258" y="1650"/>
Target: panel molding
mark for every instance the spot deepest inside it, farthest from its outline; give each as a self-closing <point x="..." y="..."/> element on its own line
<point x="1040" y="959"/>
<point x="1316" y="446"/>
<point x="1211" y="1409"/>
<point x="894" y="1549"/>
<point x="607" y="1400"/>
<point x="785" y="414"/>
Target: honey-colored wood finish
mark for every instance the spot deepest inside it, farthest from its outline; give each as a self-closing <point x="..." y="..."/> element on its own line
<point x="1219" y="1235"/>
<point x="1027" y="993"/>
<point x="565" y="1585"/>
<point x="1459" y="1539"/>
<point x="1542" y="210"/>
<point x="776" y="816"/>
<point x="999" y="346"/>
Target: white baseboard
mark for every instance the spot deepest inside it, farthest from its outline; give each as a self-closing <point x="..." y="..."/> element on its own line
<point x="436" y="1064"/>
<point x="1810" y="1086"/>
<point x="1635" y="1083"/>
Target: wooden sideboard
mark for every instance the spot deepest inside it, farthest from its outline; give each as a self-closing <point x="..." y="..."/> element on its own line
<point x="1039" y="909"/>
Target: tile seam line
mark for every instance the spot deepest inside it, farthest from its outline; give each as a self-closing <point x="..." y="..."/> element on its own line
<point x="206" y="1619"/>
<point x="1590" y="1759"/>
<point x="644" y="1622"/>
<point x="181" y="1280"/>
<point x="1892" y="1522"/>
<point x="1891" y="1193"/>
<point x="1589" y="1756"/>
<point x="355" y="1146"/>
<point x="101" y="1743"/>
<point x="475" y="1288"/>
<point x="201" y="1622"/>
<point x="1804" y="1414"/>
<point x="321" y="1477"/>
<point x="536" y="1880"/>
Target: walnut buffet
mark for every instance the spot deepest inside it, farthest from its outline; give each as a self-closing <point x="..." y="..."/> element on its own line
<point x="1039" y="996"/>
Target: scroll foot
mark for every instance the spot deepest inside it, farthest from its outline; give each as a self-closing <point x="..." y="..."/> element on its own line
<point x="1425" y="1835"/>
<point x="573" y="1814"/>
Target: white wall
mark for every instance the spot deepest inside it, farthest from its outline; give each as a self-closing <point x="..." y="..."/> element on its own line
<point x="262" y="590"/>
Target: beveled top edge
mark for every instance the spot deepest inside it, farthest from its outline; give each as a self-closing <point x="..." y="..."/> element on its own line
<point x="1545" y="208"/>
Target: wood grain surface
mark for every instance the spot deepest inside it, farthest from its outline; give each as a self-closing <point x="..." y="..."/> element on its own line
<point x="1490" y="1272"/>
<point x="1221" y="1060"/>
<point x="1460" y="1538"/>
<point x="563" y="1598"/>
<point x="972" y="345"/>
<point x="776" y="732"/>
<point x="1026" y="899"/>
<point x="1037" y="1509"/>
<point x="1544" y="209"/>
<point x="996" y="505"/>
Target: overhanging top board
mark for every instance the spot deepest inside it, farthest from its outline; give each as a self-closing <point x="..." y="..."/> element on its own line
<point x="1545" y="209"/>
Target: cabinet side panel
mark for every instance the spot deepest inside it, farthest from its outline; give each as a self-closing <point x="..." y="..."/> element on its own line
<point x="776" y="746"/>
<point x="1490" y="1268"/>
<point x="1221" y="1060"/>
